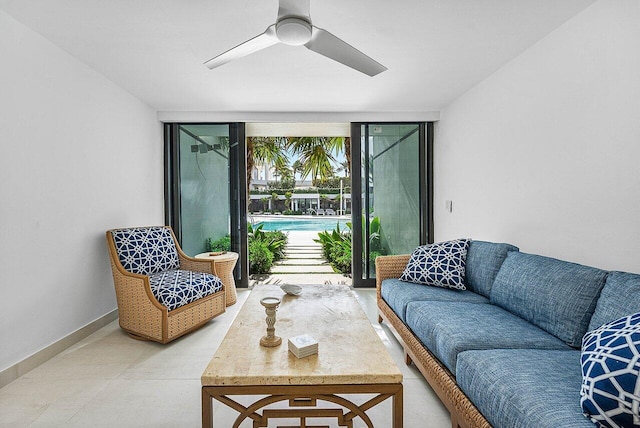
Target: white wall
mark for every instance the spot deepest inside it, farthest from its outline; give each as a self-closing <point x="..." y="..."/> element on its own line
<point x="79" y="155"/>
<point x="545" y="153"/>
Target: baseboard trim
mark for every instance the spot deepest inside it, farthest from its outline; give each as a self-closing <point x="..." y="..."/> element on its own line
<point x="12" y="373"/>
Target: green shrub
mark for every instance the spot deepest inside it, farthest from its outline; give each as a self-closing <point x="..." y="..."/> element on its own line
<point x="336" y="246"/>
<point x="275" y="241"/>
<point x="340" y="257"/>
<point x="222" y="244"/>
<point x="372" y="257"/>
<point x="324" y="239"/>
<point x="260" y="258"/>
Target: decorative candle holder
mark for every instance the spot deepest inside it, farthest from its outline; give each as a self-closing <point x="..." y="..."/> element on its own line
<point x="271" y="305"/>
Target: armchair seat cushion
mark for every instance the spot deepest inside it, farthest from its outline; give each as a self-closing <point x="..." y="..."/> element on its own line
<point x="176" y="288"/>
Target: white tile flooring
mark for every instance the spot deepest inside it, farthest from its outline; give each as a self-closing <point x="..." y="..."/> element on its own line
<point x="110" y="380"/>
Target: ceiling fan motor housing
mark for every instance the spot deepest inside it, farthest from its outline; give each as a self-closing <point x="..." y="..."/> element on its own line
<point x="294" y="31"/>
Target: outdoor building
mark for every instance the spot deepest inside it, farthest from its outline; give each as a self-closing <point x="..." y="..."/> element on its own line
<point x="305" y="197"/>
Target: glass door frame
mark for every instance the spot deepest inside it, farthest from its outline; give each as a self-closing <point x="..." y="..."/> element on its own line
<point x="237" y="190"/>
<point x="360" y="275"/>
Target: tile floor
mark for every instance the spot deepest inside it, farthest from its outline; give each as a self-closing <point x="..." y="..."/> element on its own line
<point x="110" y="380"/>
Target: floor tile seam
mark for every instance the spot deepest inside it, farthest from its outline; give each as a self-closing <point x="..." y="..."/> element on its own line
<point x="88" y="399"/>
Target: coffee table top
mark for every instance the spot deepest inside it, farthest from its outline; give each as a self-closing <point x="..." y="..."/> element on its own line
<point x="349" y="350"/>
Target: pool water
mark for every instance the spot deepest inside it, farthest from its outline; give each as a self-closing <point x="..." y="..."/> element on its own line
<point x="287" y="224"/>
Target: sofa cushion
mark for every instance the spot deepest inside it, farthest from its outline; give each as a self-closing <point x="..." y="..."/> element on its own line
<point x="610" y="367"/>
<point x="146" y="250"/>
<point x="398" y="294"/>
<point x="441" y="264"/>
<point x="448" y="328"/>
<point x="526" y="388"/>
<point x="555" y="295"/>
<point x="176" y="288"/>
<point x="611" y="306"/>
<point x="483" y="263"/>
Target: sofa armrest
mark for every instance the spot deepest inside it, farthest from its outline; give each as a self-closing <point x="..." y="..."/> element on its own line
<point x="389" y="267"/>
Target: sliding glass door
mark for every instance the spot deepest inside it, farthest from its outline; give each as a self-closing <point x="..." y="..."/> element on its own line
<point x="391" y="172"/>
<point x="205" y="193"/>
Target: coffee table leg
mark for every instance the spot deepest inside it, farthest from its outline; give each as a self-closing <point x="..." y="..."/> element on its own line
<point x="207" y="408"/>
<point x="397" y="408"/>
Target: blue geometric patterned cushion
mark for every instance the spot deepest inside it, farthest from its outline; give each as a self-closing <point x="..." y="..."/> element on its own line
<point x="146" y="250"/>
<point x="610" y="393"/>
<point x="175" y="288"/>
<point x="441" y="264"/>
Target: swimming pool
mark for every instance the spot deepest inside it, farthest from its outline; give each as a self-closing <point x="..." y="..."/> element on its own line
<point x="288" y="223"/>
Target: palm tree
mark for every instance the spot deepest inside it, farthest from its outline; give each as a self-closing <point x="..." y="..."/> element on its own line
<point x="283" y="171"/>
<point x="347" y="154"/>
<point x="296" y="167"/>
<point x="339" y="144"/>
<point x="287" y="197"/>
<point x="323" y="201"/>
<point x="315" y="154"/>
<point x="265" y="150"/>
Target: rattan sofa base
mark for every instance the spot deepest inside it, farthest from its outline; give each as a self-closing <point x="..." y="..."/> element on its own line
<point x="464" y="414"/>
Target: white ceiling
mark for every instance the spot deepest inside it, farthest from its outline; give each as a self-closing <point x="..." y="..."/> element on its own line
<point x="435" y="49"/>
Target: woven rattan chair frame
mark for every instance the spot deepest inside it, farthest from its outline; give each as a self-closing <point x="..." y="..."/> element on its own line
<point x="140" y="313"/>
<point x="464" y="413"/>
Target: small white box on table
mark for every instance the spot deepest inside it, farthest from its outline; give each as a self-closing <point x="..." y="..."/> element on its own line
<point x="303" y="345"/>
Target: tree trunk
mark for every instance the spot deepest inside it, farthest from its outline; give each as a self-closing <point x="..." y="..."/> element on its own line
<point x="347" y="154"/>
<point x="249" y="163"/>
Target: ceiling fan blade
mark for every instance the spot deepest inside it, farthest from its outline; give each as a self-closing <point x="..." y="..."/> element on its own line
<point x="263" y="41"/>
<point x="299" y="8"/>
<point x="325" y="43"/>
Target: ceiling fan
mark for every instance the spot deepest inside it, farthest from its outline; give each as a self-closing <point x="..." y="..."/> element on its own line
<point x="293" y="27"/>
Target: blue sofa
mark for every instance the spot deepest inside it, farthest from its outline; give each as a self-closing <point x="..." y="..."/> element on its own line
<point x="505" y="352"/>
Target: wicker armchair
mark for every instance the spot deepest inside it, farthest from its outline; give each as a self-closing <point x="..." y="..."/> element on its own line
<point x="162" y="293"/>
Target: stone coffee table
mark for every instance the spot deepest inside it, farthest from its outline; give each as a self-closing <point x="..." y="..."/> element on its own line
<point x="351" y="360"/>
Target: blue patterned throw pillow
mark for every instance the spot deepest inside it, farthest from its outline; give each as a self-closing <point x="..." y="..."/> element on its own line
<point x="610" y="393"/>
<point x="442" y="264"/>
<point x="146" y="250"/>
